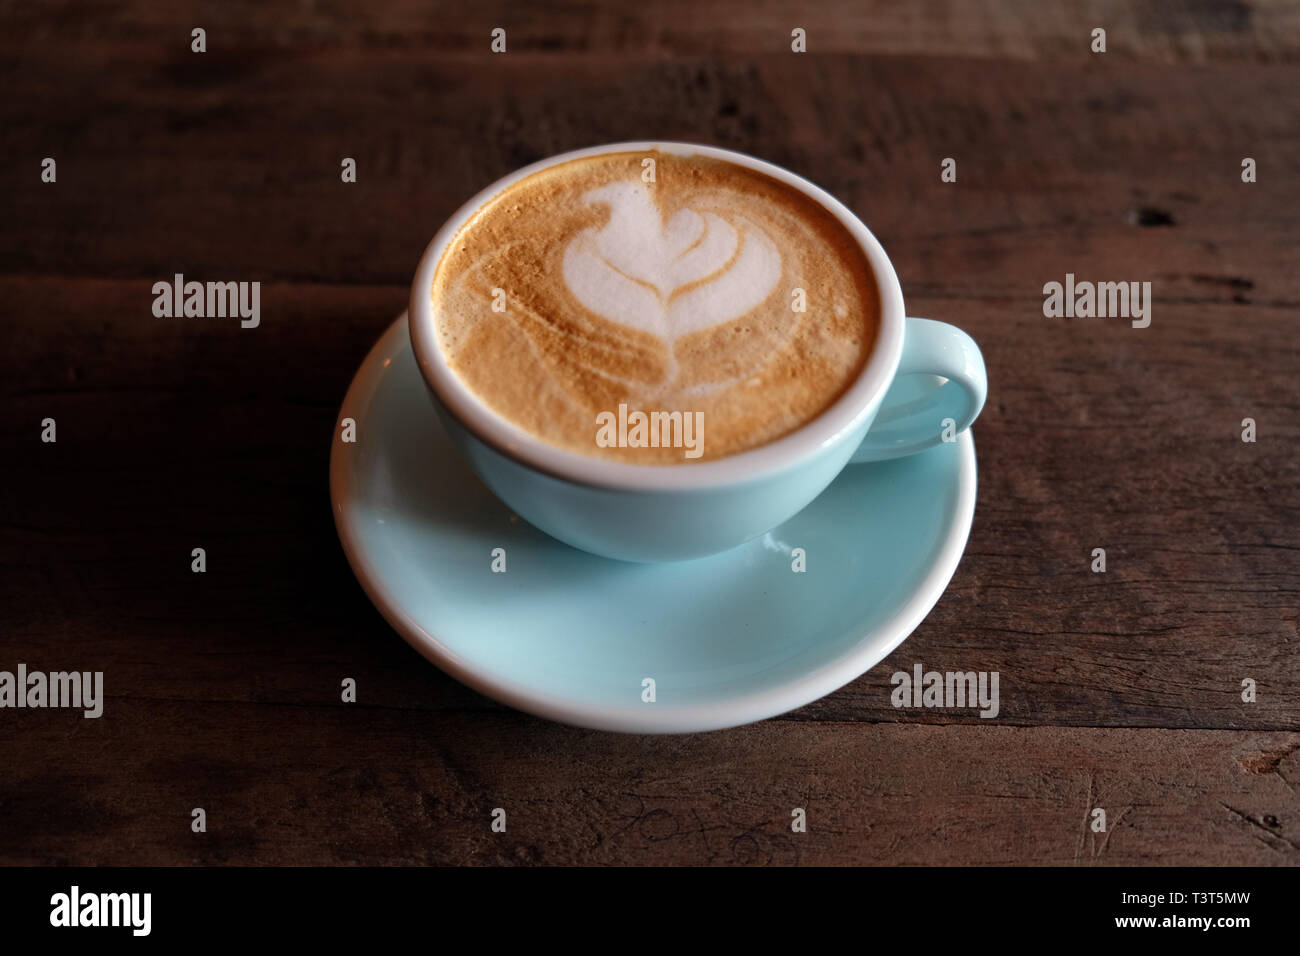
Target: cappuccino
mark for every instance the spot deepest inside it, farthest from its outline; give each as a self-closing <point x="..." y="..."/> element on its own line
<point x="686" y="290"/>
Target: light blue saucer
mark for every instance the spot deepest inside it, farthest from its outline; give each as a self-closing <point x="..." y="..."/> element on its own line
<point x="727" y="639"/>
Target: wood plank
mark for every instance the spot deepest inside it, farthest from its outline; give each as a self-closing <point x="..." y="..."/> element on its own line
<point x="364" y="784"/>
<point x="1058" y="165"/>
<point x="1264" y="30"/>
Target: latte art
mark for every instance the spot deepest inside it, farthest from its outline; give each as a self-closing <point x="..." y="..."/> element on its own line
<point x="696" y="271"/>
<point x="680" y="295"/>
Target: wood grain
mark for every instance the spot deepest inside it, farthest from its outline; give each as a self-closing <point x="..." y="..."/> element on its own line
<point x="344" y="785"/>
<point x="1196" y="31"/>
<point x="179" y="433"/>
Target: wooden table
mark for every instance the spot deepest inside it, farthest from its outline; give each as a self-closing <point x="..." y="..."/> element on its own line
<point x="1120" y="690"/>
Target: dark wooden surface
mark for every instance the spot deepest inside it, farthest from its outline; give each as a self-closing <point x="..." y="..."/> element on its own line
<point x="1119" y="691"/>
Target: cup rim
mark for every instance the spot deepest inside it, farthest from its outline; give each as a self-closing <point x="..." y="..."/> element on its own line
<point x="830" y="428"/>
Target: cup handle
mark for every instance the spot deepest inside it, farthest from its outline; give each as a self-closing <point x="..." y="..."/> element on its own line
<point x="918" y="411"/>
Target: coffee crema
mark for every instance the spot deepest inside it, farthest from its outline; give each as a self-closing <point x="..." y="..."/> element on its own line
<point x="583" y="293"/>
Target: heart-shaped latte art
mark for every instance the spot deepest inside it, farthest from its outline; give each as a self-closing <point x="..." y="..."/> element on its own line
<point x="691" y="273"/>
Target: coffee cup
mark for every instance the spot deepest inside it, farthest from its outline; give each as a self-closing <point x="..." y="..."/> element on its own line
<point x="918" y="384"/>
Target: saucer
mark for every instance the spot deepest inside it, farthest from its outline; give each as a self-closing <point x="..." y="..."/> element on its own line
<point x="726" y="640"/>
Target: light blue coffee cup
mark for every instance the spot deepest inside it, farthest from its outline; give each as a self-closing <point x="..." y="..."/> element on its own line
<point x="923" y="384"/>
